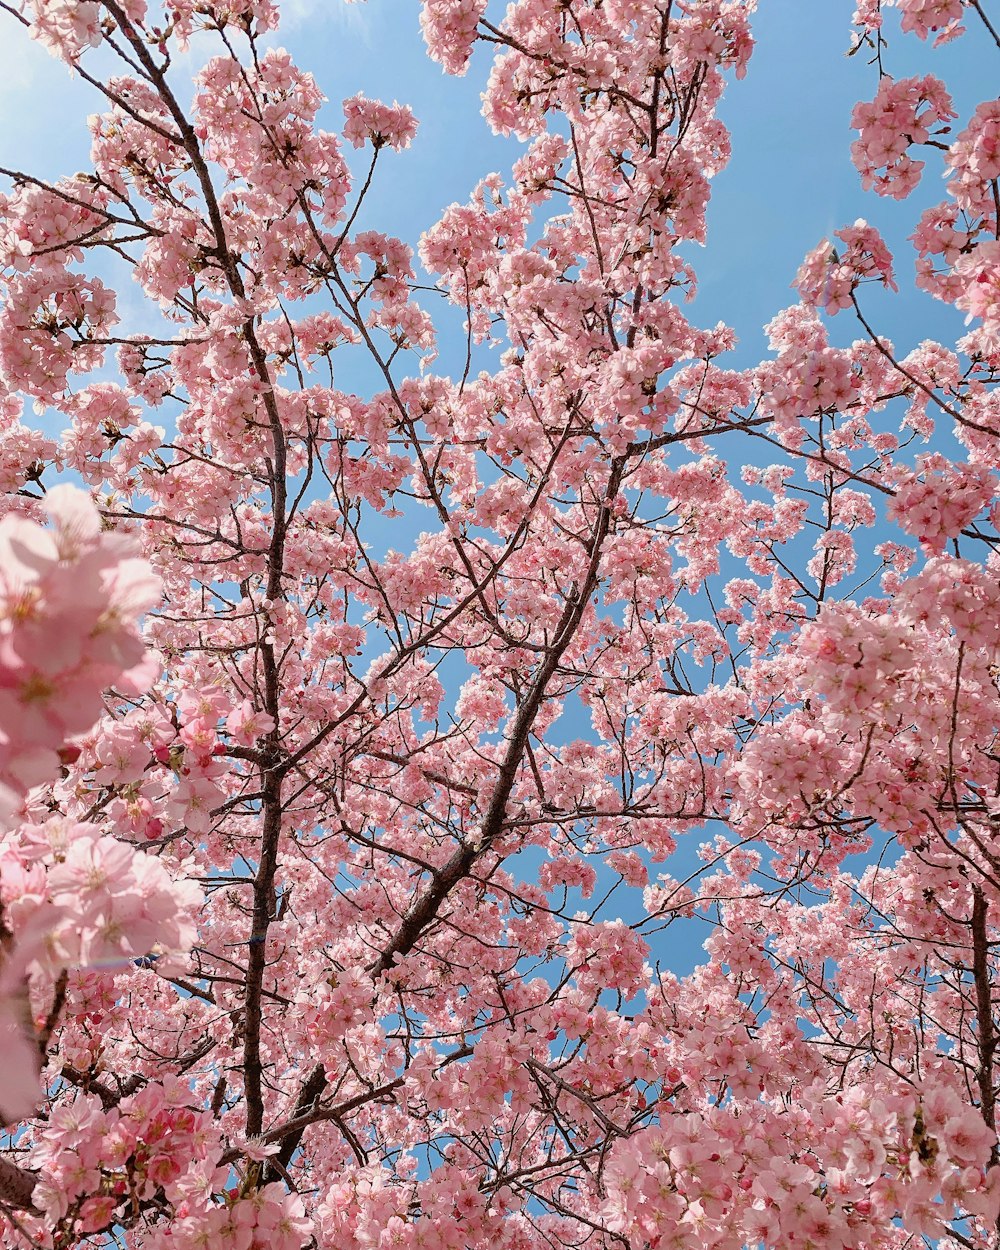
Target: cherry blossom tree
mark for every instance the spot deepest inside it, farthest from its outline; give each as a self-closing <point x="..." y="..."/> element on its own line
<point x="338" y="909"/>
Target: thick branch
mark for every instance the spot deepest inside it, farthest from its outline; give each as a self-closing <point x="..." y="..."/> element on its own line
<point x="312" y="1087"/>
<point x="16" y="1186"/>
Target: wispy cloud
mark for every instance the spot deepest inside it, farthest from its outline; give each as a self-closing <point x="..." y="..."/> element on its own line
<point x="342" y="14"/>
<point x="43" y="106"/>
<point x="22" y="61"/>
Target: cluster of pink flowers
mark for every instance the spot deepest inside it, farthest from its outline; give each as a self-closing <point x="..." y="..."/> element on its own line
<point x="855" y="660"/>
<point x="608" y="954"/>
<point x="941" y="231"/>
<point x="98" y="1164"/>
<point x="827" y="279"/>
<point x="21" y="449"/>
<point x="938" y="499"/>
<point x="868" y="15"/>
<point x="372" y="1208"/>
<point x="904" y="112"/>
<point x="462" y="248"/>
<point x="367" y="1209"/>
<point x="863" y="678"/>
<point x="688" y="1179"/>
<point x="95" y="899"/>
<point x="449" y="28"/>
<point x="975" y="156"/>
<point x="187" y="16"/>
<point x="69" y="596"/>
<point x="962" y="229"/>
<point x="371" y="121"/>
<point x="71" y="895"/>
<point x="332" y="1006"/>
<point x="66" y="27"/>
<point x="922" y="17"/>
<point x="48" y="320"/>
<point x="960" y="596"/>
<point x="269" y="1218"/>
<point x="804" y="384"/>
<point x="788" y="769"/>
<point x="979" y="272"/>
<point x="94" y="1161"/>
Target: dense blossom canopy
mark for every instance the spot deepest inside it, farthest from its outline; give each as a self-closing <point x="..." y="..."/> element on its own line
<point x="340" y="885"/>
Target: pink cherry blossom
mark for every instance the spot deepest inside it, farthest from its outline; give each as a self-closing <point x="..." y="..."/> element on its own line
<point x="537" y="787"/>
